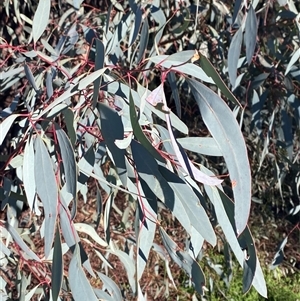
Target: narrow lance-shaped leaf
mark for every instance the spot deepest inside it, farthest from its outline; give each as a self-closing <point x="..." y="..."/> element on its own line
<point x="28" y="179"/>
<point x="144" y="40"/>
<point x="147" y="226"/>
<point x="99" y="63"/>
<point x="69" y="163"/>
<point x="210" y="71"/>
<point x="185" y="261"/>
<point x="137" y="131"/>
<point x="57" y="266"/>
<point x="224" y="128"/>
<point x="47" y="190"/>
<point x="112" y="129"/>
<point x="250" y="33"/>
<point x="234" y="55"/>
<point x="40" y="19"/>
<point x="225" y="219"/>
<point x="17" y="238"/>
<point x="80" y="286"/>
<point x="157" y="98"/>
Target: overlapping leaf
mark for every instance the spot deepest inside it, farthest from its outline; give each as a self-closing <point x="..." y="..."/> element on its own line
<point x="224" y="128"/>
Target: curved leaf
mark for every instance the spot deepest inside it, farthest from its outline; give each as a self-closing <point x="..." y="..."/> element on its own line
<point x="70" y="167"/>
<point x="5" y="126"/>
<point x="144" y="40"/>
<point x="224" y="128"/>
<point x="234" y="55"/>
<point x="112" y="129"/>
<point x="80" y="286"/>
<point x="28" y="179"/>
<point x="57" y="267"/>
<point x="47" y="190"/>
<point x="201" y="145"/>
<point x="250" y="33"/>
<point x="40" y="19"/>
<point x="137" y="131"/>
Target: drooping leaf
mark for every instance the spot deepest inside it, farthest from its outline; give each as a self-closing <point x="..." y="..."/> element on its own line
<point x="80" y="286"/>
<point x="28" y="179"/>
<point x="112" y="129"/>
<point x="57" y="267"/>
<point x="236" y="10"/>
<point x="234" y="55"/>
<point x="144" y="40"/>
<point x="224" y="128"/>
<point x="17" y="238"/>
<point x="147" y="227"/>
<point x="46" y="188"/>
<point x="70" y="167"/>
<point x="185" y="261"/>
<point x="175" y="92"/>
<point x="110" y="286"/>
<point x="250" y="33"/>
<point x="197" y="215"/>
<point x="99" y="64"/>
<point x="137" y="131"/>
<point x="208" y="68"/>
<point x="228" y="227"/>
<point x="137" y="24"/>
<point x="40" y="19"/>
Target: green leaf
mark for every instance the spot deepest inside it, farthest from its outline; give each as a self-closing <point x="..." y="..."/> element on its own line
<point x="46" y="189"/>
<point x="70" y="167"/>
<point x="137" y="131"/>
<point x="40" y="19"/>
<point x="57" y="266"/>
<point x="210" y="71"/>
<point x="224" y="128"/>
<point x="69" y="120"/>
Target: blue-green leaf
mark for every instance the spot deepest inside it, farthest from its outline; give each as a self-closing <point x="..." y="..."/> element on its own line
<point x="234" y="55"/>
<point x="112" y="129"/>
<point x="80" y="286"/>
<point x="250" y="33"/>
<point x="46" y="189"/>
<point x="70" y="167"/>
<point x="57" y="266"/>
<point x="40" y="19"/>
<point x="224" y="128"/>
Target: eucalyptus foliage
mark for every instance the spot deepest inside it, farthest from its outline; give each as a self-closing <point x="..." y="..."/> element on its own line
<point x="88" y="110"/>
